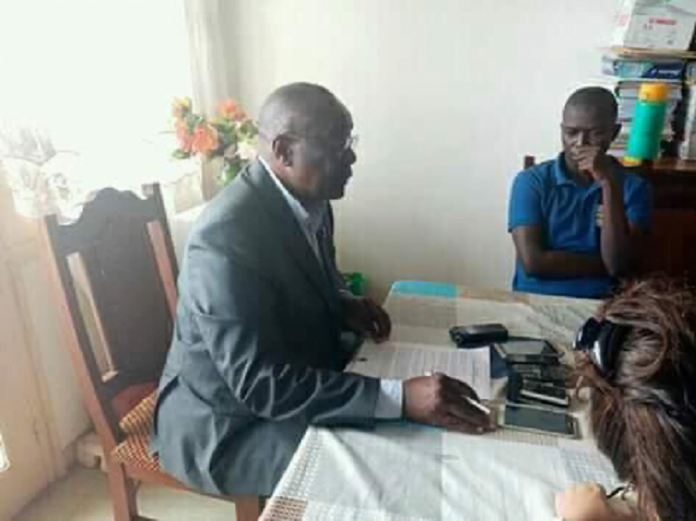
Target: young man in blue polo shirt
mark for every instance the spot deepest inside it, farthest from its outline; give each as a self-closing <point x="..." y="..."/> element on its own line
<point x="578" y="222"/>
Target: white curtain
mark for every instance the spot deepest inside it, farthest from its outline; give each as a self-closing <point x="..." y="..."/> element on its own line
<point x="210" y="36"/>
<point x="212" y="70"/>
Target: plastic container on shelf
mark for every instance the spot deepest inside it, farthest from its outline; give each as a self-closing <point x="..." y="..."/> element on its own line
<point x="648" y="123"/>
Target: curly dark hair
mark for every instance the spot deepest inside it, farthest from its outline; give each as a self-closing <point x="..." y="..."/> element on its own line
<point x="644" y="415"/>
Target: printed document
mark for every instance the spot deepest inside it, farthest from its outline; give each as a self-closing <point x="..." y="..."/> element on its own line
<point x="405" y="360"/>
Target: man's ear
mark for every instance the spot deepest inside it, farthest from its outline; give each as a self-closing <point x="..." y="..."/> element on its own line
<point x="282" y="150"/>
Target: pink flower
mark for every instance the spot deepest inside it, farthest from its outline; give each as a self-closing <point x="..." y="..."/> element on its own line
<point x="230" y="109"/>
<point x="205" y="139"/>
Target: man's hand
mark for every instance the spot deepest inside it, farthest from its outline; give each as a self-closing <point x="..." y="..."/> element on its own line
<point x="596" y="163"/>
<point x="585" y="502"/>
<point x="440" y="400"/>
<point x="364" y="315"/>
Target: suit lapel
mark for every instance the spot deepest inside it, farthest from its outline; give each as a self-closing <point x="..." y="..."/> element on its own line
<point x="291" y="234"/>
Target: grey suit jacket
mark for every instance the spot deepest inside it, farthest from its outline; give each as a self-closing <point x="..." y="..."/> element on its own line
<point x="256" y="354"/>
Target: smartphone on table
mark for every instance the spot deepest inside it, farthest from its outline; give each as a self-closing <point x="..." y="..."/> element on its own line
<point x="523" y="389"/>
<point x="554" y="374"/>
<point x="478" y="335"/>
<point x="538" y="419"/>
<point x="528" y="351"/>
<point x="544" y="392"/>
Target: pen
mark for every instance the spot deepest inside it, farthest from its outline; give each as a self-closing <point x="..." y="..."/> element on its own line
<point x="616" y="491"/>
<point x="478" y="405"/>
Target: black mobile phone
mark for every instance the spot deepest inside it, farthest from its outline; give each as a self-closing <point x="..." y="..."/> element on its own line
<point x="522" y="389"/>
<point x="528" y="346"/>
<point x="536" y="403"/>
<point x="537" y="419"/>
<point x="544" y="392"/>
<point x="478" y="335"/>
<point x="539" y="359"/>
<point x="555" y="374"/>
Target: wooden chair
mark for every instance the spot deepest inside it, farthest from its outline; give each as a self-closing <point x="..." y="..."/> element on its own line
<point x="115" y="271"/>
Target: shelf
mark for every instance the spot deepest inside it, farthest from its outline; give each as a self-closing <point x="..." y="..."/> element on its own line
<point x="674" y="166"/>
<point x="647" y="54"/>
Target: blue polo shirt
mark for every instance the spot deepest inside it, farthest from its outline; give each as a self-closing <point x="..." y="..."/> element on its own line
<point x="545" y="194"/>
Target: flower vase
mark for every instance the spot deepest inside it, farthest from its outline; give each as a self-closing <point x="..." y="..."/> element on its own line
<point x="211" y="171"/>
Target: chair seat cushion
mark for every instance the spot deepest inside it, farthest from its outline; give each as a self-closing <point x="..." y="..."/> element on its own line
<point x="136" y="425"/>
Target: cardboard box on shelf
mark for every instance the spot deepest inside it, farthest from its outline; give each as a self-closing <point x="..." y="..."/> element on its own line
<point x="655" y="24"/>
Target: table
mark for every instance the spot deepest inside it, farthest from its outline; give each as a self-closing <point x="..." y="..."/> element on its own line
<point x="402" y="470"/>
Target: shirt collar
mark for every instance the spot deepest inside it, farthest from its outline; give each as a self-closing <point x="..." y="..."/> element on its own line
<point x="308" y="217"/>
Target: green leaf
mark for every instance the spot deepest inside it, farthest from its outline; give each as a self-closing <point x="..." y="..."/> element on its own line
<point x="194" y="120"/>
<point x="249" y="128"/>
<point x="231" y="171"/>
<point x="181" y="154"/>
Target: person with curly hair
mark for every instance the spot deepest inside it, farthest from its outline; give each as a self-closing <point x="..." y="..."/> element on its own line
<point x="638" y="358"/>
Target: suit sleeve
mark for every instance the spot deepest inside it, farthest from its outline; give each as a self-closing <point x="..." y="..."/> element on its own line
<point x="237" y="314"/>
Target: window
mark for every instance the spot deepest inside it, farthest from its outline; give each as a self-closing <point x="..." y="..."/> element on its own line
<point x="99" y="77"/>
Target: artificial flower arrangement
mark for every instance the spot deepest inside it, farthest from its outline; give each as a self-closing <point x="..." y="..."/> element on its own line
<point x="231" y="136"/>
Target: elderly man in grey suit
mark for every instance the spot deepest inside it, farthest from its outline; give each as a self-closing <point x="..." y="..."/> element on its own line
<point x="257" y="354"/>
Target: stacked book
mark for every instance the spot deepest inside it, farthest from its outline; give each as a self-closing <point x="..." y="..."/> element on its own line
<point x="687" y="148"/>
<point x="624" y="76"/>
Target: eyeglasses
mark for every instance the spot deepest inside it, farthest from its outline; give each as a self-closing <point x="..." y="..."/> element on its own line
<point x="336" y="147"/>
<point x="351" y="143"/>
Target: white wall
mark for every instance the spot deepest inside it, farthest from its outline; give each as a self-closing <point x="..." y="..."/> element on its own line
<point x="447" y="97"/>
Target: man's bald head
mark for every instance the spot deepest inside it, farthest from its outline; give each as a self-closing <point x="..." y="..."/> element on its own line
<point x="301" y="109"/>
<point x="596" y="100"/>
<point x="305" y="138"/>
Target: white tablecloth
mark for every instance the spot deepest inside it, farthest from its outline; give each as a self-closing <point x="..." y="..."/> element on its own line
<point x="401" y="471"/>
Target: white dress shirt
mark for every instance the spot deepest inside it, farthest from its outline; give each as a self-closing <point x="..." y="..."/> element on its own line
<point x="390" y="398"/>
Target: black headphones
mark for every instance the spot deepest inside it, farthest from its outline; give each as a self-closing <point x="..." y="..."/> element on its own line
<point x="602" y="340"/>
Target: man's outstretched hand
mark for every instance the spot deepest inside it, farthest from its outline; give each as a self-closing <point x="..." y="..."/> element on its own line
<point x="440" y="400"/>
<point x="364" y="315"/>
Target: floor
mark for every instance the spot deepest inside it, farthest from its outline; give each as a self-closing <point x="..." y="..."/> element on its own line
<point x="82" y="496"/>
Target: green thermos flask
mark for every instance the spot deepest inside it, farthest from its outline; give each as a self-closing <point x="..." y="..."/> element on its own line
<point x="648" y="122"/>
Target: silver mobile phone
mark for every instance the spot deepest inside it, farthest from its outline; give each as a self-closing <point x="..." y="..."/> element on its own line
<point x="538" y="419"/>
